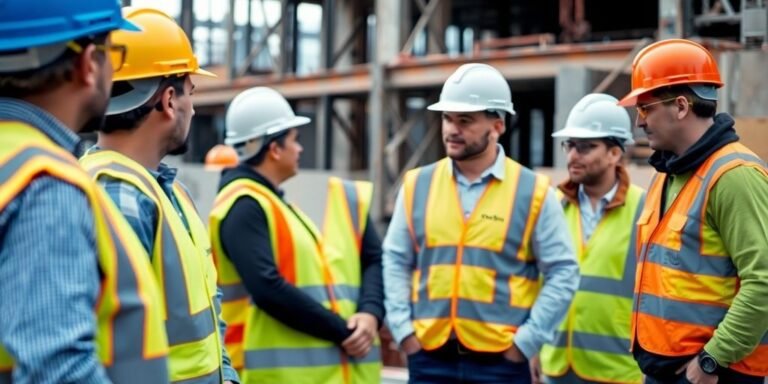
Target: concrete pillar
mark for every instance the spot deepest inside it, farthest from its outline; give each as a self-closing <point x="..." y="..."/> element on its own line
<point x="387" y="44"/>
<point x="571" y="84"/>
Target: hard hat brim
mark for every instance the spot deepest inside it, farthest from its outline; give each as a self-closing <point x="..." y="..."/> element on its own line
<point x="203" y="72"/>
<point x="126" y="25"/>
<point x="583" y="133"/>
<point x="142" y="91"/>
<point x="453" y="106"/>
<point x="295" y="122"/>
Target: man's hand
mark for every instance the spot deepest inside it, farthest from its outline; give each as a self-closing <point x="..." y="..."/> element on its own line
<point x="695" y="375"/>
<point x="359" y="343"/>
<point x="536" y="370"/>
<point x="411" y="345"/>
<point x="514" y="355"/>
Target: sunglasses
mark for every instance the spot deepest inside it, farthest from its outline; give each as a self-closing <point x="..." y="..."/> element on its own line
<point x="582" y="147"/>
<point x="116" y="52"/>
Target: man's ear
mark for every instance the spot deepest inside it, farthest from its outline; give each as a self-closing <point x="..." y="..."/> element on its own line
<point x="86" y="66"/>
<point x="499" y="127"/>
<point x="683" y="107"/>
<point x="167" y="102"/>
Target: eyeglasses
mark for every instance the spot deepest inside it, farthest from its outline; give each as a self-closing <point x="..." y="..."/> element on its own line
<point x="643" y="110"/>
<point x="582" y="147"/>
<point x="116" y="52"/>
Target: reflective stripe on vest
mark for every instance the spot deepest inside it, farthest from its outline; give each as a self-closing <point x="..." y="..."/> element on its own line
<point x="685" y="279"/>
<point x="595" y="346"/>
<point x="476" y="278"/>
<point x="183" y="265"/>
<point x="297" y="247"/>
<point x="130" y="339"/>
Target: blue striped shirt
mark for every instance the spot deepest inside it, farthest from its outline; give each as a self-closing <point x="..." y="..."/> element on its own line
<point x="141" y="212"/>
<point x="49" y="275"/>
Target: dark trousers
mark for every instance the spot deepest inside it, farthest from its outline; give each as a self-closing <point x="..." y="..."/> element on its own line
<point x="725" y="377"/>
<point x="452" y="363"/>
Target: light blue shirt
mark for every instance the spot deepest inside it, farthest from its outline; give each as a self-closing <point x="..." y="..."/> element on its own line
<point x="550" y="243"/>
<point x="591" y="217"/>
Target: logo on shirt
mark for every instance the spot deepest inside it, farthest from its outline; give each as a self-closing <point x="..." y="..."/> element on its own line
<point x="494" y="218"/>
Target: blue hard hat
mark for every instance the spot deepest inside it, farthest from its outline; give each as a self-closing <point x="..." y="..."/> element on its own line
<point x="33" y="23"/>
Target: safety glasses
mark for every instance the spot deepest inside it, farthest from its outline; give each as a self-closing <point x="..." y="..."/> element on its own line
<point x="644" y="110"/>
<point x="116" y="52"/>
<point x="582" y="147"/>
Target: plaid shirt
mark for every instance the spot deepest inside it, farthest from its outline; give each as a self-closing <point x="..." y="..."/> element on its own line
<point x="49" y="277"/>
<point x="141" y="212"/>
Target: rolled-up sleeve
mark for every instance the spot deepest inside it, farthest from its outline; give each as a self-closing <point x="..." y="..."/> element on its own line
<point x="551" y="244"/>
<point x="398" y="262"/>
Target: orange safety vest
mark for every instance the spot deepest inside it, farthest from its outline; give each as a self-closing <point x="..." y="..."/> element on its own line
<point x="476" y="277"/>
<point x="685" y="279"/>
<point x="130" y="341"/>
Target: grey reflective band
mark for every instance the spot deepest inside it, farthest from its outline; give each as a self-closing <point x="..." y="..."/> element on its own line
<point x="303" y="357"/>
<point x="681" y="311"/>
<point x="593" y="342"/>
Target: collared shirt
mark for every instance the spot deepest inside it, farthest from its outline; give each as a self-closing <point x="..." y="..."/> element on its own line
<point x="49" y="275"/>
<point x="590" y="218"/>
<point x="550" y="243"/>
<point x="141" y="213"/>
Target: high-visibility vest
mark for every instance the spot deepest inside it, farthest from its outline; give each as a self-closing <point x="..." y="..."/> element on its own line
<point x="593" y="345"/>
<point x="183" y="266"/>
<point x="476" y="277"/>
<point x="686" y="281"/>
<point x="270" y="351"/>
<point x="130" y="339"/>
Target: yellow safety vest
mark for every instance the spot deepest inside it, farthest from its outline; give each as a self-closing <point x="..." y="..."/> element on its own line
<point x="183" y="266"/>
<point x="474" y="277"/>
<point x="130" y="340"/>
<point x="328" y="272"/>
<point x="590" y="342"/>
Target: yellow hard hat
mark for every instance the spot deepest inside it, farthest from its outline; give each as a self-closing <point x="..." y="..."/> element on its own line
<point x="219" y="157"/>
<point x="160" y="49"/>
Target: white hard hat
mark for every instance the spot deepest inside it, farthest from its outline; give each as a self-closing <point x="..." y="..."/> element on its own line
<point x="595" y="116"/>
<point x="259" y="112"/>
<point x="475" y="88"/>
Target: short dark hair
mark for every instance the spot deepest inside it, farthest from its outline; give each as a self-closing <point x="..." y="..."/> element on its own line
<point x="130" y="120"/>
<point x="494" y="114"/>
<point x="261" y="155"/>
<point x="50" y="76"/>
<point x="702" y="108"/>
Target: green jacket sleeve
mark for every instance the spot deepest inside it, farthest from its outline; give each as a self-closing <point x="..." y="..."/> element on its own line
<point x="738" y="211"/>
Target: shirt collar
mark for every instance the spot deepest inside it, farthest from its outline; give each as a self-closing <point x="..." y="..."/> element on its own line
<point x="497" y="169"/>
<point x="20" y="110"/>
<point x="605" y="199"/>
<point x="164" y="174"/>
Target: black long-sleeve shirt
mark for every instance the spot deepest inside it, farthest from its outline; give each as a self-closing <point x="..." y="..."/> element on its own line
<point x="244" y="235"/>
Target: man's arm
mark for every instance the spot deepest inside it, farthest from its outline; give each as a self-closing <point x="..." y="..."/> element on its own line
<point x="557" y="263"/>
<point x="372" y="290"/>
<point x="49" y="284"/>
<point x="229" y="373"/>
<point x="139" y="210"/>
<point x="738" y="210"/>
<point x="245" y="237"/>
<point x="398" y="262"/>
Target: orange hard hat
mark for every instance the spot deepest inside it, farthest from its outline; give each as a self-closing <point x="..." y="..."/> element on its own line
<point x="671" y="62"/>
<point x="219" y="157"/>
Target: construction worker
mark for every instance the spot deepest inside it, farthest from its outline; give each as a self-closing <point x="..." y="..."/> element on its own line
<point x="701" y="312"/>
<point x="304" y="309"/>
<point x="78" y="300"/>
<point x="469" y="236"/>
<point x="601" y="207"/>
<point x="149" y="117"/>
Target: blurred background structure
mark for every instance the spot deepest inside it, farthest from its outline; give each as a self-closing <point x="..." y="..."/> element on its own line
<point x="365" y="70"/>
